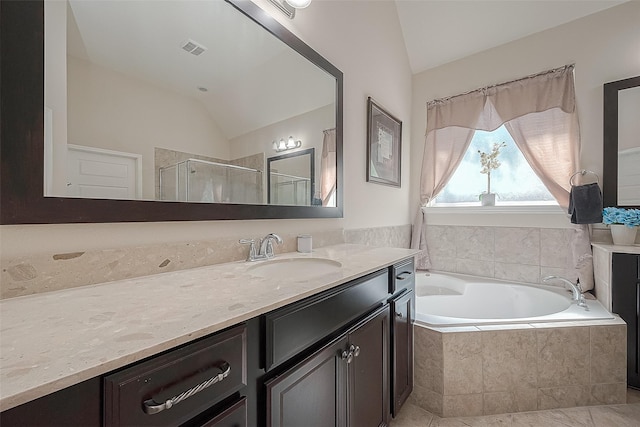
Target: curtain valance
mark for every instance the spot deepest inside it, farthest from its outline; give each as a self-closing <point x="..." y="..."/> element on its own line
<point x="489" y="107"/>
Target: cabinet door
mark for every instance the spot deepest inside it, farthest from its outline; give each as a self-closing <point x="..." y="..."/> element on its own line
<point x="312" y="393"/>
<point x="625" y="300"/>
<point x="401" y="350"/>
<point x="368" y="371"/>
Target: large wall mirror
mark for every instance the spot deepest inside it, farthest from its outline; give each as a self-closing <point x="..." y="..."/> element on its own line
<point x="159" y="111"/>
<point x="621" y="186"/>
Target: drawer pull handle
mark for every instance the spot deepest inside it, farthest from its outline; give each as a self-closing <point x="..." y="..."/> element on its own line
<point x="151" y="407"/>
<point x="404" y="275"/>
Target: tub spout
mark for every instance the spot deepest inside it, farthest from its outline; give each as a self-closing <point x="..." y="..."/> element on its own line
<point x="576" y="290"/>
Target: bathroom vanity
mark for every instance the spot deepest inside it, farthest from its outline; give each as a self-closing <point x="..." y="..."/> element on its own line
<point x="218" y="346"/>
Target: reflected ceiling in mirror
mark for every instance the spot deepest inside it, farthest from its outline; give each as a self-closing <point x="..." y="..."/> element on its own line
<point x="172" y="100"/>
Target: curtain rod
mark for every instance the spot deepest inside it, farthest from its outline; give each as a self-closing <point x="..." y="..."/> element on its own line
<point x="541" y="73"/>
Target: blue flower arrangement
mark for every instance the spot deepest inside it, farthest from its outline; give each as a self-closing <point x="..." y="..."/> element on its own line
<point x="628" y="217"/>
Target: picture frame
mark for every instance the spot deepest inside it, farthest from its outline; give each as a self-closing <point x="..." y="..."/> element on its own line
<point x="384" y="146"/>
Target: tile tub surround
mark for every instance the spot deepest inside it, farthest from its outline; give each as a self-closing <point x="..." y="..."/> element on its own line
<point x="488" y="370"/>
<point x="53" y="340"/>
<point x="33" y="274"/>
<point x="522" y="254"/>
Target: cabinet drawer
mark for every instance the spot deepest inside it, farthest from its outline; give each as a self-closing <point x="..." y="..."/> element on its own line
<point x="292" y="329"/>
<point x="402" y="276"/>
<point x="234" y="416"/>
<point x="193" y="377"/>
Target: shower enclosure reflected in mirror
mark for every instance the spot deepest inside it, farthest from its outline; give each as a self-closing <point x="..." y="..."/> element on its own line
<point x="291" y="179"/>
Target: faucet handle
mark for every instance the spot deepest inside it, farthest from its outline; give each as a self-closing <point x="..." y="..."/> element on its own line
<point x="252" y="248"/>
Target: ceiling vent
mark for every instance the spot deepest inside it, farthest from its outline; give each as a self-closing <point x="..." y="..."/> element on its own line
<point x="193" y="47"/>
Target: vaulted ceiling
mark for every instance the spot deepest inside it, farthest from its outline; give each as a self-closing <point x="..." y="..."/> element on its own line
<point x="440" y="31"/>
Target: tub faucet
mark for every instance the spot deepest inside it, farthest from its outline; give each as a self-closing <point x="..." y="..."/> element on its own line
<point x="576" y="289"/>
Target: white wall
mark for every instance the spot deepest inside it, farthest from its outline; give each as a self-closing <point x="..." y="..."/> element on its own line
<point x="604" y="46"/>
<point x="361" y="38"/>
<point x="110" y="110"/>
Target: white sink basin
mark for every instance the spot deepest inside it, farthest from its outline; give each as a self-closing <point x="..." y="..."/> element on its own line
<point x="295" y="268"/>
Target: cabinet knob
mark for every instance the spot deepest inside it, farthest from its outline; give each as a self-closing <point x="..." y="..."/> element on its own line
<point x="355" y="350"/>
<point x="399" y="315"/>
<point x="347" y="356"/>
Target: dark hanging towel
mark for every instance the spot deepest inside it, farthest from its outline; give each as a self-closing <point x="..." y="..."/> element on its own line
<point x="585" y="204"/>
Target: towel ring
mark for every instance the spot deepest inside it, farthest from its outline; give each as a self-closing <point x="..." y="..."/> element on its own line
<point x="583" y="172"/>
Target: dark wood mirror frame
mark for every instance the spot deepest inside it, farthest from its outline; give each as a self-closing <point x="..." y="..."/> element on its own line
<point x="22" y="137"/>
<point x="610" y="140"/>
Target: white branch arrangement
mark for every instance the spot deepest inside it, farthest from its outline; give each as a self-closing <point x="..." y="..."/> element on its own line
<point x="489" y="161"/>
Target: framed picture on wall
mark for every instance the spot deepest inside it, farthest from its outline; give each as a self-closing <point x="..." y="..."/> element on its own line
<point x="384" y="145"/>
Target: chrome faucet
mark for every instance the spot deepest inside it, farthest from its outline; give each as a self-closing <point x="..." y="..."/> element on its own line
<point x="265" y="251"/>
<point x="266" y="247"/>
<point x="576" y="290"/>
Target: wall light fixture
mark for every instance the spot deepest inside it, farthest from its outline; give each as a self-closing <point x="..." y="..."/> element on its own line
<point x="288" y="7"/>
<point x="284" y="145"/>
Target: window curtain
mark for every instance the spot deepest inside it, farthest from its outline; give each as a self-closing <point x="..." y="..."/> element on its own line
<point x="328" y="166"/>
<point x="539" y="112"/>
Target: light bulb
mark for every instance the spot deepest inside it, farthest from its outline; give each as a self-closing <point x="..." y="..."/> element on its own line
<point x="291" y="143"/>
<point x="299" y="4"/>
<point x="282" y="145"/>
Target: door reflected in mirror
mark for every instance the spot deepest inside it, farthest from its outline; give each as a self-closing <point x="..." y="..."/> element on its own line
<point x="177" y="101"/>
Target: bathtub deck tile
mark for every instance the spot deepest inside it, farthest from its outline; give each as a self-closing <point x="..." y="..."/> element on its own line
<point x="608" y="348"/>
<point x="426" y="399"/>
<point x="462" y="353"/>
<point x="608" y="394"/>
<point x="563" y="357"/>
<point x="563" y="397"/>
<point x="509" y="360"/>
<point x="462" y="405"/>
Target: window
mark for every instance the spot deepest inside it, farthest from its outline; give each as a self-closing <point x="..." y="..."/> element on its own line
<point x="513" y="181"/>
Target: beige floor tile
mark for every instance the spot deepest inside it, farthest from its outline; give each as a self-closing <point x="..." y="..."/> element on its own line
<point x="412" y="416"/>
<point x="572" y="417"/>
<point x="616" y="415"/>
<point x="633" y="396"/>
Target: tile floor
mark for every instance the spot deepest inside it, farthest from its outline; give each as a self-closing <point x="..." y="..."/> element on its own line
<point x="590" y="416"/>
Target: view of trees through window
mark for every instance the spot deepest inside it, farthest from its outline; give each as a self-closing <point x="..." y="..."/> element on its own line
<point x="513" y="181"/>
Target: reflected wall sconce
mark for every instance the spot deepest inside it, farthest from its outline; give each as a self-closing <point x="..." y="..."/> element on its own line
<point x="288" y="7"/>
<point x="284" y="145"/>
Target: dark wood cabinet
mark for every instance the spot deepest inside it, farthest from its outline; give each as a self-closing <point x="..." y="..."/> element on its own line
<point x="345" y="383"/>
<point x="313" y="393"/>
<point x="368" y="371"/>
<point x="403" y="315"/>
<point x="625" y="301"/>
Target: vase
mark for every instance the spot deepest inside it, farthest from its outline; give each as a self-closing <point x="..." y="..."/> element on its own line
<point x="623" y="235"/>
<point x="488" y="199"/>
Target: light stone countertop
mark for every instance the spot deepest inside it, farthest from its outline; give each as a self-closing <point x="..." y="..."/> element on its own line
<point x="53" y="340"/>
<point x="627" y="249"/>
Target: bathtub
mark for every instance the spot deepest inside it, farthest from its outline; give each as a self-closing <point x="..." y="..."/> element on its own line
<point x="447" y="299"/>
